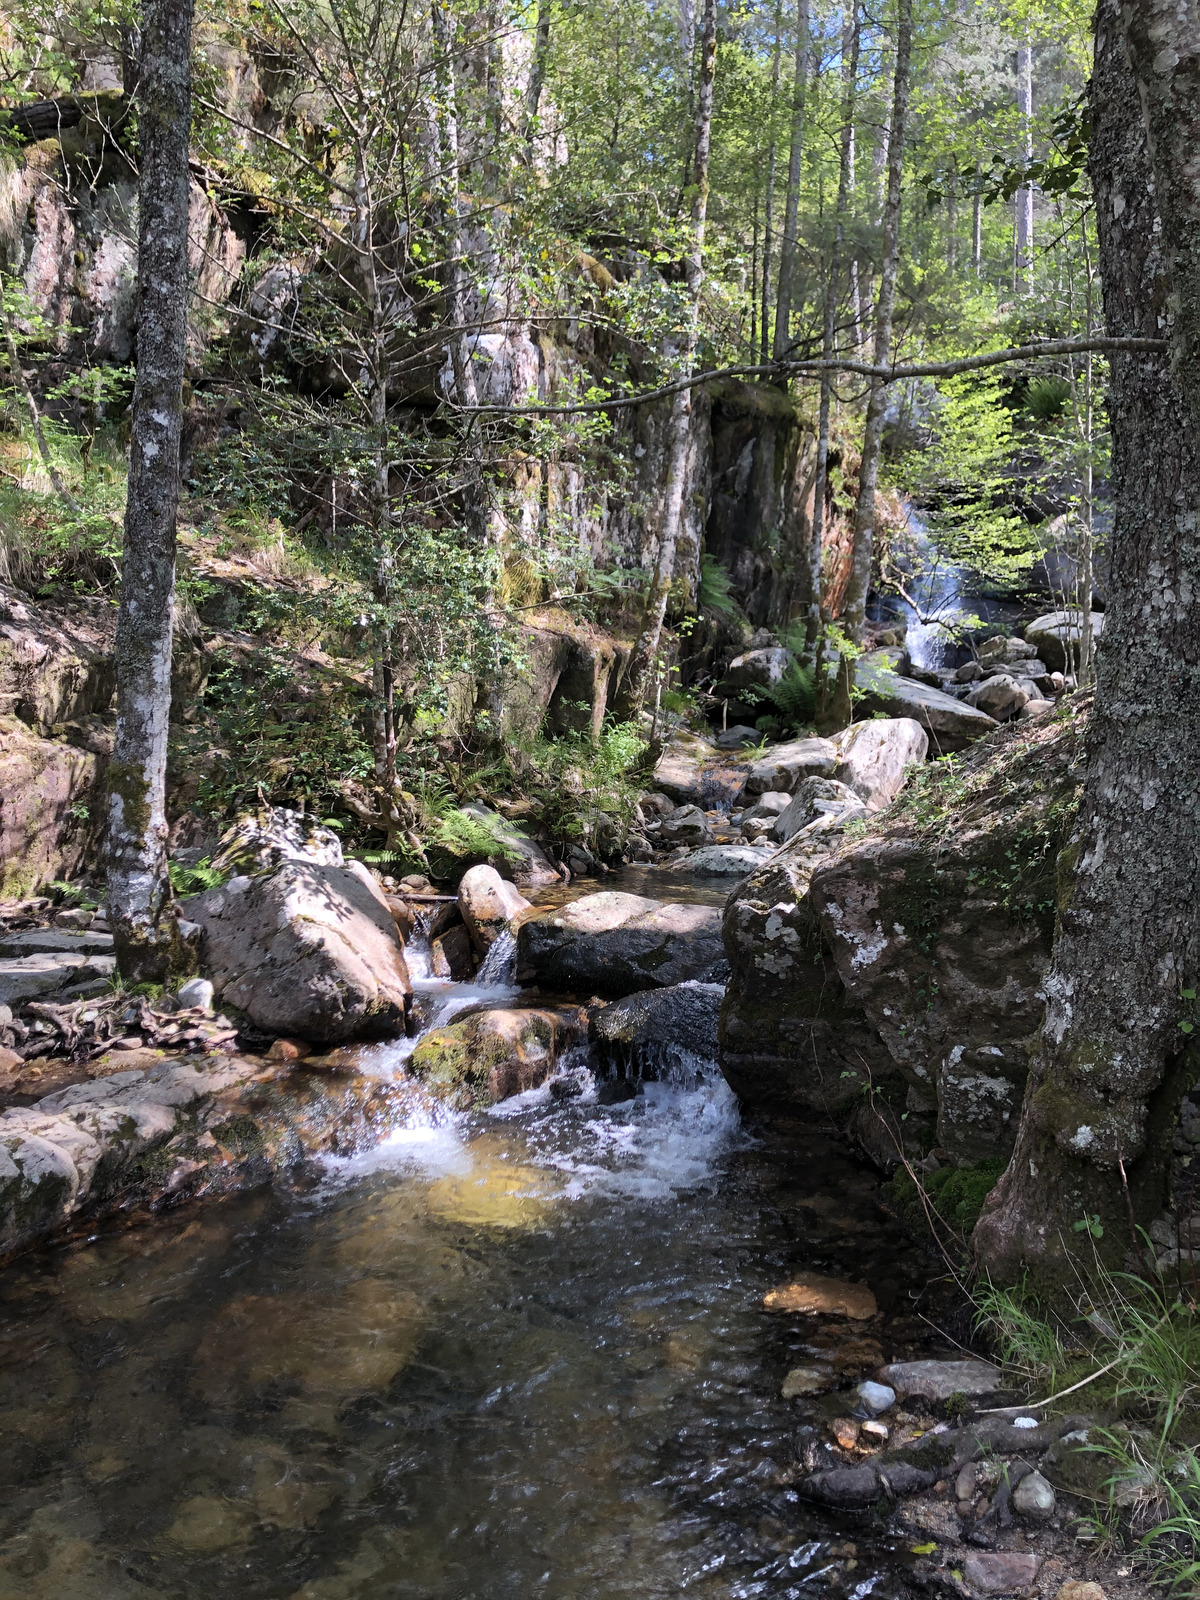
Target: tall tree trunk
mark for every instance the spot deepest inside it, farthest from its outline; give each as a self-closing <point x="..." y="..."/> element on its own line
<point x="140" y="906"/>
<point x="1023" y="200"/>
<point x="850" y="48"/>
<point x="537" y="78"/>
<point x="788" y="245"/>
<point x="769" y="224"/>
<point x="854" y="614"/>
<point x="977" y="221"/>
<point x="1105" y="1084"/>
<point x="679" y="427"/>
<point x="1164" y="42"/>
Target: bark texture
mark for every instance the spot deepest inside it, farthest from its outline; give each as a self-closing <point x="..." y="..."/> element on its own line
<point x="679" y="427"/>
<point x="1164" y="44"/>
<point x="789" y="244"/>
<point x="140" y="906"/>
<point x="1105" y="1083"/>
<point x="855" y="609"/>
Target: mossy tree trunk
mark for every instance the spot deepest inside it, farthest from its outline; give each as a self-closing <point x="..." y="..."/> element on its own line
<point x="140" y="907"/>
<point x="1105" y="1084"/>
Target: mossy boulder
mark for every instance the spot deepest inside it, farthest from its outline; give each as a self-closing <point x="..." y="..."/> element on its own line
<point x="490" y="1055"/>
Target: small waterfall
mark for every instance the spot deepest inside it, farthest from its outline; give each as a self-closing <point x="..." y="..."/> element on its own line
<point x="499" y="967"/>
<point x="936" y="586"/>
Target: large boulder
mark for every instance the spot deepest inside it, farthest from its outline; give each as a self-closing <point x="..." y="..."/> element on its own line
<point x="257" y="841"/>
<point x="612" y="943"/>
<point x="874" y="757"/>
<point x="817" y="797"/>
<point x="785" y="765"/>
<point x="720" y="861"/>
<point x="951" y="724"/>
<point x="650" y="1033"/>
<point x="701" y="779"/>
<point x="918" y="950"/>
<point x="488" y="905"/>
<point x="1001" y="696"/>
<point x="491" y="1055"/>
<point x="686" y="825"/>
<point x="1055" y="637"/>
<point x="309" y="950"/>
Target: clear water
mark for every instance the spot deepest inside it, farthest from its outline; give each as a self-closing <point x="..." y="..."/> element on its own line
<point x="517" y="1355"/>
<point x="504" y="1357"/>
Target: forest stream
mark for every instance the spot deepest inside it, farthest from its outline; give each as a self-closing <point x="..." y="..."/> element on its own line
<point x="519" y="1353"/>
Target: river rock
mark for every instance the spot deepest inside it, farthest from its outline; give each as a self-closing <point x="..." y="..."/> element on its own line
<point x="196" y="994"/>
<point x="1035" y="707"/>
<point x="848" y="1487"/>
<point x="1000" y="1572"/>
<point x="686" y="825"/>
<point x="33" y="977"/>
<point x="757" y="669"/>
<point x="936" y="1381"/>
<point x="951" y="724"/>
<point x="721" y="861"/>
<point x="806" y="1380"/>
<point x="874" y="757"/>
<point x="767" y="806"/>
<point x="1034" y="1499"/>
<point x="309" y="950"/>
<point x="1080" y="1589"/>
<point x="488" y="905"/>
<point x="36" y="941"/>
<point x="876" y="1398"/>
<point x="491" y="1055"/>
<point x="817" y="798"/>
<point x="824" y="1296"/>
<point x="1051" y="634"/>
<point x="614" y="943"/>
<point x="1001" y="696"/>
<point x="658" y="1027"/>
<point x="736" y="737"/>
<point x="783" y="766"/>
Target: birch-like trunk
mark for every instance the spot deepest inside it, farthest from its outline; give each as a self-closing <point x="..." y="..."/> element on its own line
<point x="1105" y="1083"/>
<point x="854" y="613"/>
<point x="537" y="79"/>
<point x="140" y="906"/>
<point x="679" y="427"/>
<point x="850" y="46"/>
<point x="769" y="224"/>
<point x="788" y="245"/>
<point x="1023" y="200"/>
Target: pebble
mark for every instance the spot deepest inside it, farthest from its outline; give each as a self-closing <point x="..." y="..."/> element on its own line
<point x="196" y="992"/>
<point x="845" y="1431"/>
<point x="876" y="1397"/>
<point x="876" y="1430"/>
<point x="1034" y="1498"/>
<point x="1025" y="1422"/>
<point x="828" y="1295"/>
<point x="1080" y="1589"/>
<point x="1000" y="1572"/>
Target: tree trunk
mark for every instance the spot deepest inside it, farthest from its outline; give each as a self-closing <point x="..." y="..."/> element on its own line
<point x="788" y="246"/>
<point x="1105" y="1084"/>
<point x="537" y="78"/>
<point x="140" y="907"/>
<point x="1164" y="42"/>
<point x="854" y="614"/>
<point x="679" y="428"/>
<point x="769" y="224"/>
<point x="850" y="47"/>
<point x="1023" y="259"/>
<point x="977" y="222"/>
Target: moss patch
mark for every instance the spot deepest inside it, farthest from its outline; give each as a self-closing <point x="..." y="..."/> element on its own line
<point x="955" y="1193"/>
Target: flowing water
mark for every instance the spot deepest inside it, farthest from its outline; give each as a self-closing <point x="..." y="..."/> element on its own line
<point x="511" y="1355"/>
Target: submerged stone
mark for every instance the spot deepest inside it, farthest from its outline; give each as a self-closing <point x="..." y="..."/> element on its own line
<point x="823" y="1296"/>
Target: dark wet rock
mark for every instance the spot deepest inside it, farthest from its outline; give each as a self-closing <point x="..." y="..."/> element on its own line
<point x="686" y="825"/>
<point x="613" y="943"/>
<point x="736" y="737"/>
<point x="757" y="669"/>
<point x="849" y="1488"/>
<point x="938" y="1380"/>
<point x="656" y="1027"/>
<point x="492" y="1055"/>
<point x="308" y="950"/>
<point x="903" y="1478"/>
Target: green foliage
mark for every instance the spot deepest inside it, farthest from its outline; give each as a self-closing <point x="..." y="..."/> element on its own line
<point x="716" y="588"/>
<point x="795" y="695"/>
<point x="195" y="879"/>
<point x="1047" y="397"/>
